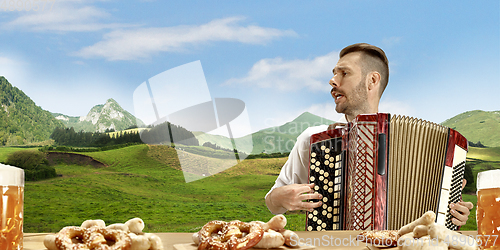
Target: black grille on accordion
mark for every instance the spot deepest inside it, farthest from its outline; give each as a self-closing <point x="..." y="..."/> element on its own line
<point x="455" y="193"/>
<point x="326" y="172"/>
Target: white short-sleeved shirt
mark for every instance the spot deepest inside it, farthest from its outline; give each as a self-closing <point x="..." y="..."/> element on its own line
<point x="295" y="169"/>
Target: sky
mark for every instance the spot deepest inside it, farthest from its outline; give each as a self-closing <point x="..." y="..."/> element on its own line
<point x="275" y="56"/>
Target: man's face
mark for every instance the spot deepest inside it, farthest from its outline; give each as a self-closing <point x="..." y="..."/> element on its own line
<point x="348" y="85"/>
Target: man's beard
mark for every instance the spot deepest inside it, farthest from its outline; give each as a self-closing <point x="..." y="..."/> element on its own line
<point x="357" y="102"/>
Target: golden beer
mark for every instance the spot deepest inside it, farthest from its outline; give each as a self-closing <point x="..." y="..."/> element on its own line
<point x="11" y="207"/>
<point x="488" y="217"/>
<point x="488" y="209"/>
<point x="11" y="219"/>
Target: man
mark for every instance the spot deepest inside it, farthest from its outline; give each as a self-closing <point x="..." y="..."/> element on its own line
<point x="359" y="79"/>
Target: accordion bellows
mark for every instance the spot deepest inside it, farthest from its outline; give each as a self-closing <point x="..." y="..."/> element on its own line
<point x="380" y="173"/>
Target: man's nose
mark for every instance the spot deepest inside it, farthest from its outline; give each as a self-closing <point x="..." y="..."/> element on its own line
<point x="333" y="83"/>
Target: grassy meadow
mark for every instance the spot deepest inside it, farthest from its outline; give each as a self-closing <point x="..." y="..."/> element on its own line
<point x="147" y="182"/>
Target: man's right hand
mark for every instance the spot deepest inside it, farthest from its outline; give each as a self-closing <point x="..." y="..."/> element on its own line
<point x="293" y="197"/>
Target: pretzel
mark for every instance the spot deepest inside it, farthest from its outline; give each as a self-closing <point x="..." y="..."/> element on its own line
<point x="379" y="238"/>
<point x="64" y="239"/>
<point x="97" y="238"/>
<point x="220" y="235"/>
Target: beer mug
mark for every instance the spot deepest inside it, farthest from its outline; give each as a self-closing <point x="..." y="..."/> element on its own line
<point x="11" y="207"/>
<point x="488" y="209"/>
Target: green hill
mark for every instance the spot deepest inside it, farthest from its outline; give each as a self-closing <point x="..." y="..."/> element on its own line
<point x="273" y="139"/>
<point x="282" y="138"/>
<point x="21" y="120"/>
<point x="478" y="126"/>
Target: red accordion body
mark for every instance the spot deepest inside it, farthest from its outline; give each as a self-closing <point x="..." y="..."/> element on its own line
<point x="379" y="173"/>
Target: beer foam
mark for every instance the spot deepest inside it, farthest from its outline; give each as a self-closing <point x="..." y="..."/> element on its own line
<point x="11" y="176"/>
<point x="488" y="179"/>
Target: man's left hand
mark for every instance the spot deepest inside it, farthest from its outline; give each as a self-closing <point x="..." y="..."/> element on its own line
<point x="460" y="212"/>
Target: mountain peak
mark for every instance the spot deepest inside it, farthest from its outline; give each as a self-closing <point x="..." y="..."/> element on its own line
<point x="102" y="117"/>
<point x="111" y="100"/>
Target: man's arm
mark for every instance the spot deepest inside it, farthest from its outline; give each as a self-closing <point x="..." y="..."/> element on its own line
<point x="292" y="197"/>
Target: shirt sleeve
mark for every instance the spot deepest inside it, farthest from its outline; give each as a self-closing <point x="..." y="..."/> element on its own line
<point x="294" y="171"/>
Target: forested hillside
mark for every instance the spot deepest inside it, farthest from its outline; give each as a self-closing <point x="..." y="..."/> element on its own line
<point x="21" y="120"/>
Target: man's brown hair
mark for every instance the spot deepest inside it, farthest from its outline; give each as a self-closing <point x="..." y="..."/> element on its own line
<point x="374" y="59"/>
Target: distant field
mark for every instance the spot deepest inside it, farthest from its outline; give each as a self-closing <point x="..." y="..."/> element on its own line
<point x="485" y="154"/>
<point x="132" y="130"/>
<point x="5" y="151"/>
<point x="146" y="182"/>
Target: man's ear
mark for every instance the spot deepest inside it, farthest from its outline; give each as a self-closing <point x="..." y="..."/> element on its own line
<point x="373" y="79"/>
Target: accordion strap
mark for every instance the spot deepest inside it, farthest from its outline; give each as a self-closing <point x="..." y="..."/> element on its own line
<point x="337" y="124"/>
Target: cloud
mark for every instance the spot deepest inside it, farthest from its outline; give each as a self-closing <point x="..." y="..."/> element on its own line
<point x="140" y="43"/>
<point x="14" y="70"/>
<point x="396" y="107"/>
<point x="64" y="16"/>
<point x="291" y="75"/>
<point x="391" y="41"/>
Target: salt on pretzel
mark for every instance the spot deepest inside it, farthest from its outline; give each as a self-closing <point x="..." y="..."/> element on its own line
<point x="426" y="219"/>
<point x="440" y="232"/>
<point x="97" y="238"/>
<point x="64" y="239"/>
<point x="213" y="235"/>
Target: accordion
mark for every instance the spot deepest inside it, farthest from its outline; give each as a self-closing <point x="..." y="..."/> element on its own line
<point x="380" y="172"/>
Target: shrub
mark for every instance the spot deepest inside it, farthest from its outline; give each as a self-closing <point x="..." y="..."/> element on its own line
<point x="34" y="163"/>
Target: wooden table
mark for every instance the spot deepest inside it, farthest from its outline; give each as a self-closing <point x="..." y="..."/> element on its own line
<point x="343" y="240"/>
